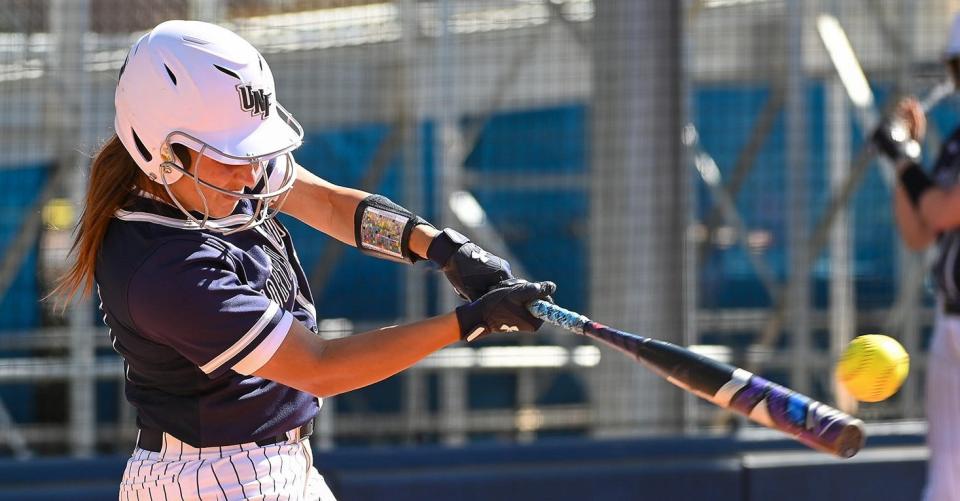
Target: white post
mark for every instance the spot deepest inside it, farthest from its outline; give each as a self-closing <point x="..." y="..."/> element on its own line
<point x="637" y="204"/>
<point x="408" y="101"/>
<point x="448" y="143"/>
<point x="842" y="300"/>
<point x="70" y="22"/>
<point x="325" y="436"/>
<point x="798" y="197"/>
<point x="211" y="11"/>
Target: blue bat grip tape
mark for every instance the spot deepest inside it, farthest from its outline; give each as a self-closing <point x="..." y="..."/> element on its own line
<point x="553" y="314"/>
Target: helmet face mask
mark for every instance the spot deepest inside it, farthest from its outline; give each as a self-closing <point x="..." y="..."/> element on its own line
<point x="201" y="86"/>
<point x="275" y="175"/>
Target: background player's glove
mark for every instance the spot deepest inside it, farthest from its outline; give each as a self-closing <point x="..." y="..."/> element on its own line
<point x="893" y="139"/>
<point x="471" y="270"/>
<point x="503" y="309"/>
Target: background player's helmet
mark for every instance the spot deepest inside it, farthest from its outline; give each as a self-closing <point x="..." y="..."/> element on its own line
<point x="204" y="87"/>
<point x="953" y="40"/>
<point x="952" y="52"/>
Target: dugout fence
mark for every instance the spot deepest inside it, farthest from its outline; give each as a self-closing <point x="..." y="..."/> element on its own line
<point x="676" y="167"/>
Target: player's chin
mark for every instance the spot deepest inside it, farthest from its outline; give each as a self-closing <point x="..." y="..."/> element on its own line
<point x="224" y="207"/>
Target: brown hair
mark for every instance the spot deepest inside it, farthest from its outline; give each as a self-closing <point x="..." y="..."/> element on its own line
<point x="113" y="175"/>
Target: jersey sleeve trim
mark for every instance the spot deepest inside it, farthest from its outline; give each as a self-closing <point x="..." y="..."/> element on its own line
<point x="254" y="332"/>
<point x="172" y="222"/>
<point x="265" y="350"/>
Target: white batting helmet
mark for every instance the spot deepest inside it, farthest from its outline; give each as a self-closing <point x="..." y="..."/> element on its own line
<point x="202" y="86"/>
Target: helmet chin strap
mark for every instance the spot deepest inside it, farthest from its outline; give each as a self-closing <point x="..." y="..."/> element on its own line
<point x="267" y="202"/>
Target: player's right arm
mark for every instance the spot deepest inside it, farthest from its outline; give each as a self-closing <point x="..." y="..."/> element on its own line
<point x="327" y="367"/>
<point x="914" y="231"/>
<point x="937" y="208"/>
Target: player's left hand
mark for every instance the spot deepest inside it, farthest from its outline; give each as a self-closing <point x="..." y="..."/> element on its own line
<point x="471" y="270"/>
<point x="892" y="139"/>
<point x="913" y="117"/>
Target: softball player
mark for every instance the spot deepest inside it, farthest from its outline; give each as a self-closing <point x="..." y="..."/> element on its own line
<point x="927" y="210"/>
<point x="202" y="289"/>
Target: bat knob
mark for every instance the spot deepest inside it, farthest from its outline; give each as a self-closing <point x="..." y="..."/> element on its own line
<point x="851" y="439"/>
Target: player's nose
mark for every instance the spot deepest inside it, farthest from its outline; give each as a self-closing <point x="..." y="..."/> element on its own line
<point x="248" y="174"/>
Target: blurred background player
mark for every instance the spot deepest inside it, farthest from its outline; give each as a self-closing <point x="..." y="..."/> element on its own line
<point x="202" y="289"/>
<point x="927" y="211"/>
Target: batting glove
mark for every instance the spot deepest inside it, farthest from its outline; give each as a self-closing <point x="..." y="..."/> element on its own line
<point x="503" y="309"/>
<point x="892" y="139"/>
<point x="471" y="270"/>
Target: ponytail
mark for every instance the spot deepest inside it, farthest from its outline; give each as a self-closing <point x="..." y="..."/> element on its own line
<point x="112" y="176"/>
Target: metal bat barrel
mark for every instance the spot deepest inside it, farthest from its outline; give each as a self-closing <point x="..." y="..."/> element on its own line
<point x="811" y="422"/>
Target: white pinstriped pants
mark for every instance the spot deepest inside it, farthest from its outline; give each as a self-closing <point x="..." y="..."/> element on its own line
<point x="943" y="411"/>
<point x="180" y="472"/>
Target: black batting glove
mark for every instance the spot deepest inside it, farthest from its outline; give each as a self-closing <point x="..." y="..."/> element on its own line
<point x="471" y="270"/>
<point x="503" y="309"/>
<point x="892" y="139"/>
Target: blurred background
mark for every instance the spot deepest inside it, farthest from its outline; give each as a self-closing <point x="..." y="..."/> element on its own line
<point x="691" y="170"/>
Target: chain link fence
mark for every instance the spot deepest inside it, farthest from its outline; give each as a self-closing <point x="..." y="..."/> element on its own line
<point x="693" y="171"/>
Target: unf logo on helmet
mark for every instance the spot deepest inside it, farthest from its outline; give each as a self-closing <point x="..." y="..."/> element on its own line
<point x="256" y="101"/>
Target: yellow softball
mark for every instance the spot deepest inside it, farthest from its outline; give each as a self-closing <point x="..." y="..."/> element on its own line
<point x="873" y="367"/>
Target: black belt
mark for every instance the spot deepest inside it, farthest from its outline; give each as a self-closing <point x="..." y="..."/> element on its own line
<point x="951" y="308"/>
<point x="152" y="440"/>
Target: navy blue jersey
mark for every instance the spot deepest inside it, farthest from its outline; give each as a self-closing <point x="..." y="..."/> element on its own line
<point x="194" y="313"/>
<point x="946" y="174"/>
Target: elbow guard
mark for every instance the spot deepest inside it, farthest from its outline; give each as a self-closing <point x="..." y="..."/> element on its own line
<point x="382" y="229"/>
